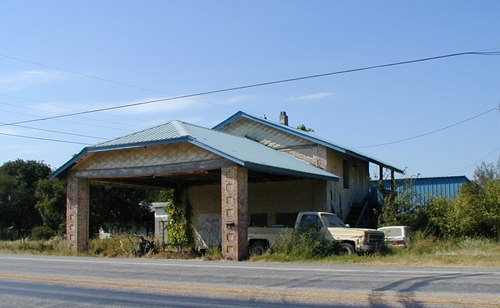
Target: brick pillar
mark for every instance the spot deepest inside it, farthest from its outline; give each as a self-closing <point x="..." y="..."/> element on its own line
<point x="77" y="213"/>
<point x="234" y="216"/>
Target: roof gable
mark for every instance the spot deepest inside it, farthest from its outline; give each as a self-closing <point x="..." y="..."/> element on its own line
<point x="241" y="151"/>
<point x="225" y="125"/>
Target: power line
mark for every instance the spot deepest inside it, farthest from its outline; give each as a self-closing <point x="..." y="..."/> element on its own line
<point x="268" y="83"/>
<point x="44" y="139"/>
<point x="81" y="74"/>
<point x="477" y="162"/>
<point x="57" y="105"/>
<point x="428" y="133"/>
<point x="55" y="131"/>
<point x="90" y="76"/>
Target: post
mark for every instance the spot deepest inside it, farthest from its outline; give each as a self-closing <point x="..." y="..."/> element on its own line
<point x="77" y="213"/>
<point x="234" y="215"/>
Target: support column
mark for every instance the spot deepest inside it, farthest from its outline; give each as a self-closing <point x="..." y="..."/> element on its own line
<point x="381" y="179"/>
<point x="77" y="213"/>
<point x="234" y="216"/>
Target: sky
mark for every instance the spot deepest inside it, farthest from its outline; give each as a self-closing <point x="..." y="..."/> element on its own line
<point x="63" y="57"/>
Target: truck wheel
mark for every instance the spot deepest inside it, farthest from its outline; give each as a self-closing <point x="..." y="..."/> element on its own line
<point x="257" y="248"/>
<point x="346" y="249"/>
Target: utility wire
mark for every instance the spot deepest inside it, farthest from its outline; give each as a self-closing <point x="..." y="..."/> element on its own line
<point x="81" y="74"/>
<point x="268" y="83"/>
<point x="56" y="131"/>
<point x="58" y="105"/>
<point x="428" y="133"/>
<point x="44" y="139"/>
<point x="477" y="162"/>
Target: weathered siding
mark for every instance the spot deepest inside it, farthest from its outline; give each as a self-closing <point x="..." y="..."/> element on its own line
<point x="340" y="199"/>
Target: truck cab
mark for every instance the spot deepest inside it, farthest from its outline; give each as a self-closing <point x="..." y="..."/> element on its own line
<point x="328" y="227"/>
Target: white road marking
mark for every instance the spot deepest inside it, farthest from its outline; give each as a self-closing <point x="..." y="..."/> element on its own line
<point x="362" y="271"/>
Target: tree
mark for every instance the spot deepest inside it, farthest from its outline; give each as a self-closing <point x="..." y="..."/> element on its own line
<point x="18" y="180"/>
<point x="118" y="207"/>
<point x="304" y="128"/>
<point x="476" y="210"/>
<point x="51" y="203"/>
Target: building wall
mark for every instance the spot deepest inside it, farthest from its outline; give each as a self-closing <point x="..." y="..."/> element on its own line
<point x="268" y="198"/>
<point x="336" y="198"/>
<point x="423" y="189"/>
<point x="339" y="198"/>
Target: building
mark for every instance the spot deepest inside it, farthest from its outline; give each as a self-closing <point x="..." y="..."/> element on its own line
<point x="423" y="189"/>
<point x="245" y="171"/>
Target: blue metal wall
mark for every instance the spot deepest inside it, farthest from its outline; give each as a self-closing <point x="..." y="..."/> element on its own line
<point x="424" y="188"/>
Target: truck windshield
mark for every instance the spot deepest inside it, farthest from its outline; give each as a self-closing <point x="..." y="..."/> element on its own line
<point x="332" y="221"/>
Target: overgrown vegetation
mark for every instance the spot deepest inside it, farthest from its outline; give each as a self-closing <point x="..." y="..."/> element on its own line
<point x="53" y="246"/>
<point x="296" y="245"/>
<point x="179" y="221"/>
<point x="474" y="213"/>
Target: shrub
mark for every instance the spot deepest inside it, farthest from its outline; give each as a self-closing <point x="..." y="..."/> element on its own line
<point x="117" y="245"/>
<point x="42" y="233"/>
<point x="297" y="244"/>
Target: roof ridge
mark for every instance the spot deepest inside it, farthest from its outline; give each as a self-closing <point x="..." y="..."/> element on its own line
<point x="180" y="127"/>
<point x="306" y="135"/>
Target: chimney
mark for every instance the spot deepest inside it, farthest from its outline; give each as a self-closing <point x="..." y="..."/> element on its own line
<point x="283" y="118"/>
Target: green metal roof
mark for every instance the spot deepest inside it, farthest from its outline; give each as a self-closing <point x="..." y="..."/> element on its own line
<point x="241" y="151"/>
<point x="307" y="136"/>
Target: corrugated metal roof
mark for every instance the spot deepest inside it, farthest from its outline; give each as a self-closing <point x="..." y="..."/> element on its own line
<point x="241" y="151"/>
<point x="306" y="135"/>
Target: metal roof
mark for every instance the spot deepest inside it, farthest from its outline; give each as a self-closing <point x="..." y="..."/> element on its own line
<point x="241" y="151"/>
<point x="306" y="135"/>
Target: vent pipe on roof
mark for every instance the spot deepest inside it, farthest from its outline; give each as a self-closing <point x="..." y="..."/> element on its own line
<point x="283" y="118"/>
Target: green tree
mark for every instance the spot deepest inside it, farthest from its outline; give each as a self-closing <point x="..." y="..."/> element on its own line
<point x="51" y="203"/>
<point x="119" y="207"/>
<point x="476" y="210"/>
<point x="304" y="128"/>
<point x="18" y="181"/>
<point x="401" y="206"/>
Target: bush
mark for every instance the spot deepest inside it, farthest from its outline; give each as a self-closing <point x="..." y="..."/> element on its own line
<point x="115" y="246"/>
<point x="302" y="245"/>
<point x="42" y="233"/>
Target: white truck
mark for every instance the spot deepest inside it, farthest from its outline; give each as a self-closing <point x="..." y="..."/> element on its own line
<point x="328" y="226"/>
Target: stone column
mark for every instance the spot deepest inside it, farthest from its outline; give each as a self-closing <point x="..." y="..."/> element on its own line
<point x="234" y="216"/>
<point x="77" y="213"/>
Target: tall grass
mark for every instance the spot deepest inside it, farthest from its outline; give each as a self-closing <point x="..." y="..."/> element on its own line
<point x="54" y="246"/>
<point x="423" y="251"/>
<point x="294" y="245"/>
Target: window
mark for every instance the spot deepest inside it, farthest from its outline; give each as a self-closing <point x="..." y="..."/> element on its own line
<point x="286" y="219"/>
<point x="310" y="221"/>
<point x="258" y="220"/>
<point x="346" y="174"/>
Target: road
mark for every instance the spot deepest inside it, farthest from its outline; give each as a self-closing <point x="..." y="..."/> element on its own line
<point x="49" y="281"/>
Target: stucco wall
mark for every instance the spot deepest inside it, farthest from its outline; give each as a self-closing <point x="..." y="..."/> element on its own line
<point x="263" y="198"/>
<point x="336" y="198"/>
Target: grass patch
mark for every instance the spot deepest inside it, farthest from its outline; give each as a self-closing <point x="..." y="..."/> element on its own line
<point x="424" y="251"/>
<point x="53" y="246"/>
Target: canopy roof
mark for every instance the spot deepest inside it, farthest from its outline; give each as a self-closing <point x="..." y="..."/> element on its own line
<point x="249" y="154"/>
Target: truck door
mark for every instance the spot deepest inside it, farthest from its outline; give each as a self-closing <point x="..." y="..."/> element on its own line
<point x="312" y="221"/>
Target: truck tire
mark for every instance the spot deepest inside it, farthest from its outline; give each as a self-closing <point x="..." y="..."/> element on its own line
<point x="346" y="249"/>
<point x="257" y="248"/>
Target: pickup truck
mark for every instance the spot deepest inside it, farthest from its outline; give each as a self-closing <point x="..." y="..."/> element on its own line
<point x="329" y="227"/>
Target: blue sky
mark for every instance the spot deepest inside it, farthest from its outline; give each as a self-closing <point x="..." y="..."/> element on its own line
<point x="59" y="57"/>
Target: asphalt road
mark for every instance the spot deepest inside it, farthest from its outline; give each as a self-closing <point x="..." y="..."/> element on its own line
<point x="48" y="281"/>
